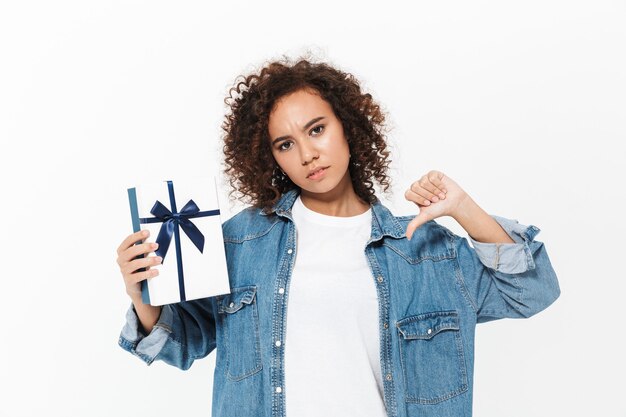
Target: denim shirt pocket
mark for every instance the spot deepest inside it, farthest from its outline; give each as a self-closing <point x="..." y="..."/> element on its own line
<point x="239" y="319"/>
<point x="432" y="357"/>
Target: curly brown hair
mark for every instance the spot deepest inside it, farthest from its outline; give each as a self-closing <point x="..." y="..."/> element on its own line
<point x="250" y="165"/>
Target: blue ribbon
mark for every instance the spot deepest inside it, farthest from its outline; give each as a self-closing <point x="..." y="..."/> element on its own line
<point x="171" y="221"/>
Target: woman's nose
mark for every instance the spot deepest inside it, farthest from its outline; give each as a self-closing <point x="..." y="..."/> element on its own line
<point x="308" y="153"/>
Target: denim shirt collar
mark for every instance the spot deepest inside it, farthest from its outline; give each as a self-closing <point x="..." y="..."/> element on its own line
<point x="384" y="223"/>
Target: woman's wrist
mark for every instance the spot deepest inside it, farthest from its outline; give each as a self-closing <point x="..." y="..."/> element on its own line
<point x="479" y="224"/>
<point x="147" y="314"/>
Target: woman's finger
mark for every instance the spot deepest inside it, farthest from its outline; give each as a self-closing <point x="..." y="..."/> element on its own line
<point x="137" y="277"/>
<point x="436" y="179"/>
<point x="424" y="192"/>
<point x="132" y="239"/>
<point x="429" y="185"/>
<point x="142" y="249"/>
<point x="430" y="182"/>
<point x="136" y="264"/>
<point x="416" y="198"/>
<point x="136" y="251"/>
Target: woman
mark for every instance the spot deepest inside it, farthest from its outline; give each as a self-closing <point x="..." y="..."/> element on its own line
<point x="337" y="307"/>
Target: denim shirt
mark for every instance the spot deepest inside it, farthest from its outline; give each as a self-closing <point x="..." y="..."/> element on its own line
<point x="432" y="291"/>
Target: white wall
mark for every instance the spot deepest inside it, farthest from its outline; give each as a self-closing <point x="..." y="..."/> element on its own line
<point x="522" y="103"/>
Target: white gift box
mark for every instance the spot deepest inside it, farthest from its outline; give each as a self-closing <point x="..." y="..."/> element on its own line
<point x="183" y="216"/>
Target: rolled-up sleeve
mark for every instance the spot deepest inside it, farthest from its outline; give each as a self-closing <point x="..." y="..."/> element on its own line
<point x="512" y="280"/>
<point x="509" y="258"/>
<point x="146" y="347"/>
<point x="184" y="332"/>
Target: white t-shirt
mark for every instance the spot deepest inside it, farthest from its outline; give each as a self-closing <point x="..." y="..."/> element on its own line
<point x="332" y="345"/>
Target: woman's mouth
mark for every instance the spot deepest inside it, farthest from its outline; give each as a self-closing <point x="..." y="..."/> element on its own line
<point x="318" y="174"/>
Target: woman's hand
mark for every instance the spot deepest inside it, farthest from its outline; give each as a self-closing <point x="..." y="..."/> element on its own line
<point x="436" y="195"/>
<point x="126" y="254"/>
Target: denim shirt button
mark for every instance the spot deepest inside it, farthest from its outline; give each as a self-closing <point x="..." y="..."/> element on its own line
<point x="278" y="343"/>
<point x="380" y="278"/>
<point x="281" y="290"/>
<point x="289" y="251"/>
<point x="429" y="331"/>
<point x="279" y="390"/>
<point x="388" y="377"/>
<point x="385" y="325"/>
<point x="231" y="305"/>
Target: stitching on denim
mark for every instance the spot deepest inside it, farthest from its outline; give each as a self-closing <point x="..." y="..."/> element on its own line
<point x="169" y="330"/>
<point x="279" y="308"/>
<point x="244" y="238"/>
<point x="497" y="260"/>
<point x="222" y="300"/>
<point x="458" y="273"/>
<point x="164" y="327"/>
<point x="530" y="262"/>
<point x="451" y="324"/>
<point x="386" y="349"/>
<point x="125" y="343"/>
<point x="415" y="261"/>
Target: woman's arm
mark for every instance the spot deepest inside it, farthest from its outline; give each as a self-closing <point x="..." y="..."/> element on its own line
<point x="478" y="224"/>
<point x="175" y="333"/>
<point x="507" y="273"/>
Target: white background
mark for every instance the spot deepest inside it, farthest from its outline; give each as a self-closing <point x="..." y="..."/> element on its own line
<point x="522" y="103"/>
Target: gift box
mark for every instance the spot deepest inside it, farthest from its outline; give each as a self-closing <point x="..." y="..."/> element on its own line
<point x="184" y="219"/>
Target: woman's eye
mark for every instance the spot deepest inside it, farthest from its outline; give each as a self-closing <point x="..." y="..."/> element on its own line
<point x="318" y="127"/>
<point x="280" y="147"/>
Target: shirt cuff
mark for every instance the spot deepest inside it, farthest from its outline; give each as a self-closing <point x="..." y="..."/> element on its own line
<point x="146" y="347"/>
<point x="508" y="258"/>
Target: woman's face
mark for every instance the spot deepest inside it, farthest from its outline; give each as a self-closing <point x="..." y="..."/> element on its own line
<point x="306" y="135"/>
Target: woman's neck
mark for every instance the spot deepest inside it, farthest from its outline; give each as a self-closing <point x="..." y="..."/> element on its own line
<point x="337" y="202"/>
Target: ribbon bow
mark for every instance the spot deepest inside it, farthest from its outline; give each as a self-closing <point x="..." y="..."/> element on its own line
<point x="171" y="221"/>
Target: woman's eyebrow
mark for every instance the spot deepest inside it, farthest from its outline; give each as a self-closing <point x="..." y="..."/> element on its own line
<point x="306" y="126"/>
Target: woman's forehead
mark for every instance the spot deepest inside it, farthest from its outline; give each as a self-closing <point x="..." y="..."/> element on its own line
<point x="298" y="107"/>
